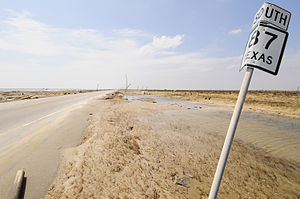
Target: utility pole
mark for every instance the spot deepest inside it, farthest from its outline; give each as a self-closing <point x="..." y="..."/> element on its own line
<point x="126" y="82"/>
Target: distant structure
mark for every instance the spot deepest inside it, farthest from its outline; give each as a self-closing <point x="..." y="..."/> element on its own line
<point x="126" y="83"/>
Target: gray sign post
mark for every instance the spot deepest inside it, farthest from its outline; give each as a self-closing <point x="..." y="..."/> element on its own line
<point x="264" y="51"/>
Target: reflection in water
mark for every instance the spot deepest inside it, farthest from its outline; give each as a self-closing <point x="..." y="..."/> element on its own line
<point x="165" y="100"/>
<point x="278" y="136"/>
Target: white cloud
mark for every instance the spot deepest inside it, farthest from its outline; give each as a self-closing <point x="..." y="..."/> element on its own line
<point x="235" y="31"/>
<point x="163" y="42"/>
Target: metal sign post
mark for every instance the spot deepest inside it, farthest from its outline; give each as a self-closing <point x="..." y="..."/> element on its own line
<point x="230" y="134"/>
<point x="264" y="51"/>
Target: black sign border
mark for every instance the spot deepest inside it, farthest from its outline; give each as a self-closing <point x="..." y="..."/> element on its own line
<point x="281" y="53"/>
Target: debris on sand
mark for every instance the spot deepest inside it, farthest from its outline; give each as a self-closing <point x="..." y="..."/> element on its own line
<point x="184" y="181"/>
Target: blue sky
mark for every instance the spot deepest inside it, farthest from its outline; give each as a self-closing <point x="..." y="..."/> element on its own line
<point x="158" y="44"/>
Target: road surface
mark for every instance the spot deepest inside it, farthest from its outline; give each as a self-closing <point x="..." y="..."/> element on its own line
<point x="33" y="133"/>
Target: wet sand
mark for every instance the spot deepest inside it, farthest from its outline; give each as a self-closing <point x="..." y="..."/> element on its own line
<point x="155" y="150"/>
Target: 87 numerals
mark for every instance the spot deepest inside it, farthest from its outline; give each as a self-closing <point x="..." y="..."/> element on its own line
<point x="255" y="38"/>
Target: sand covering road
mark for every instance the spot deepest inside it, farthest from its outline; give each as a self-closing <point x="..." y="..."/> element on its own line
<point x="152" y="150"/>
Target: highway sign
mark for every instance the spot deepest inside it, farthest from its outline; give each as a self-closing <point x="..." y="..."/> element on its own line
<point x="264" y="49"/>
<point x="270" y="13"/>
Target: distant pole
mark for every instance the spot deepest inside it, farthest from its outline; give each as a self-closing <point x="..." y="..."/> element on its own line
<point x="230" y="134"/>
<point x="126" y="82"/>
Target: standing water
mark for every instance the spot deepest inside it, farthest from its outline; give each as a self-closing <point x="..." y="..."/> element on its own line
<point x="278" y="136"/>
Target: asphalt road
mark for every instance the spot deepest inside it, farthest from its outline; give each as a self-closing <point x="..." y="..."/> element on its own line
<point x="33" y="133"/>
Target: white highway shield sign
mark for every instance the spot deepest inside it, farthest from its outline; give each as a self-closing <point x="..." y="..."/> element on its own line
<point x="270" y="13"/>
<point x="265" y="48"/>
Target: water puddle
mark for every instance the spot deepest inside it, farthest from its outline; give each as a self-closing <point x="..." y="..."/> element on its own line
<point x="167" y="100"/>
<point x="278" y="136"/>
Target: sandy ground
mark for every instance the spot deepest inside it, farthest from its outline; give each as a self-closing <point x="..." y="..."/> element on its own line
<point x="23" y="95"/>
<point x="278" y="103"/>
<point x="152" y="150"/>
